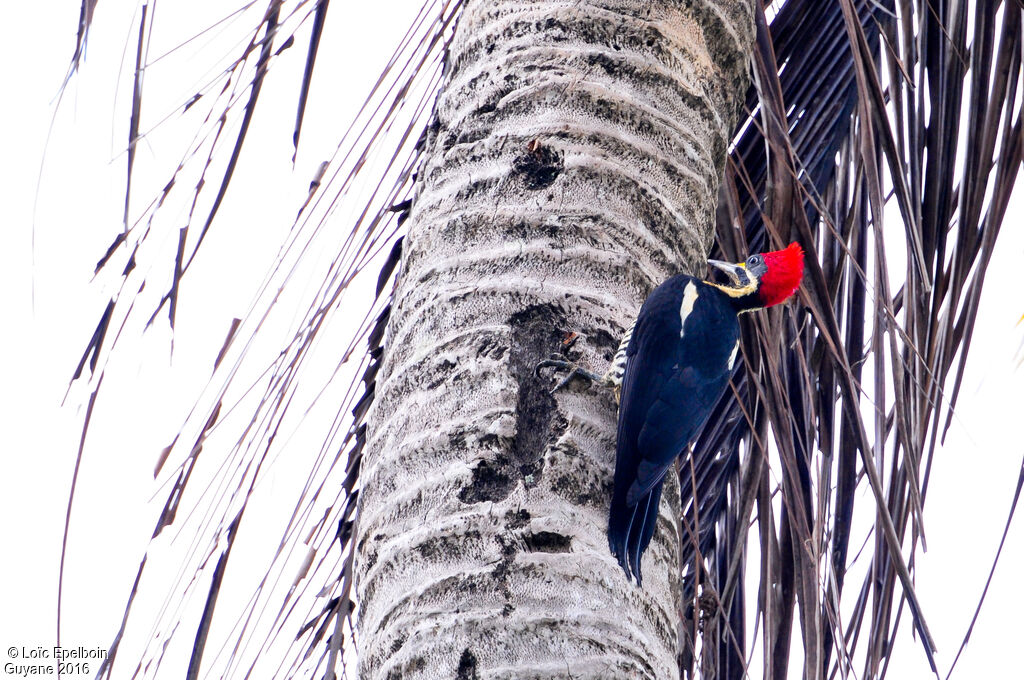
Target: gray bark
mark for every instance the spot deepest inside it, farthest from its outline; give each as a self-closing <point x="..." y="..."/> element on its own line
<point x="573" y="164"/>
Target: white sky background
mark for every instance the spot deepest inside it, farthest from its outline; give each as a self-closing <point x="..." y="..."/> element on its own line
<point x="146" y="395"/>
<point x="49" y="309"/>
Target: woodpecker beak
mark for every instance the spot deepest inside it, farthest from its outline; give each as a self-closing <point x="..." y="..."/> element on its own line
<point x="737" y="273"/>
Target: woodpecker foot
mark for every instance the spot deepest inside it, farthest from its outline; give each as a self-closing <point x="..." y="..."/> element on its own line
<point x="574" y="372"/>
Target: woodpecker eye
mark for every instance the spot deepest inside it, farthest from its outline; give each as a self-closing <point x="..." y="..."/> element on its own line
<point x="754" y="260"/>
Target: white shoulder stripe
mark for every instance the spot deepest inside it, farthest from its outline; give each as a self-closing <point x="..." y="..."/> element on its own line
<point x="689" y="298"/>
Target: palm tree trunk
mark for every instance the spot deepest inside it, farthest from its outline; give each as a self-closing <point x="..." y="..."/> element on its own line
<point x="573" y="162"/>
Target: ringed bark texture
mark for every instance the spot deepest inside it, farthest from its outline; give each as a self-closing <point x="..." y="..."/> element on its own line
<point x="573" y="163"/>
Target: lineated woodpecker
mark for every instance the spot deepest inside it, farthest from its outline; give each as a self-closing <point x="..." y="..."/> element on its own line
<point x="672" y="366"/>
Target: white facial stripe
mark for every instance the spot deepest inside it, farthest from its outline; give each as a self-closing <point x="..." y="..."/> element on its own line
<point x="689" y="298"/>
<point x="736" y="292"/>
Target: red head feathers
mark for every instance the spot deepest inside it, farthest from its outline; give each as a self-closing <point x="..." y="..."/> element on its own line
<point x="785" y="269"/>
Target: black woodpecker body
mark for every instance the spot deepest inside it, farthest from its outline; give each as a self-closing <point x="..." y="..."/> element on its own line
<point x="674" y="364"/>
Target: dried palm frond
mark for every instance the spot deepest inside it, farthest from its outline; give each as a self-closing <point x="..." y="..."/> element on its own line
<point x="305" y="598"/>
<point x="879" y="134"/>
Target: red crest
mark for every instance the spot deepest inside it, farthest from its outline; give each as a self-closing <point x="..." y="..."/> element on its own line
<point x="785" y="269"/>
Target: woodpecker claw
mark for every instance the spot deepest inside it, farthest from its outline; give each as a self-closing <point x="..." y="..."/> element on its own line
<point x="550" y="362"/>
<point x="574" y="372"/>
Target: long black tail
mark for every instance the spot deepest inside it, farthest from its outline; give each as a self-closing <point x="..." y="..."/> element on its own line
<point x="631" y="527"/>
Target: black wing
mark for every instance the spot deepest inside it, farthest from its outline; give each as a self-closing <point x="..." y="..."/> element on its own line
<point x="668" y="392"/>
